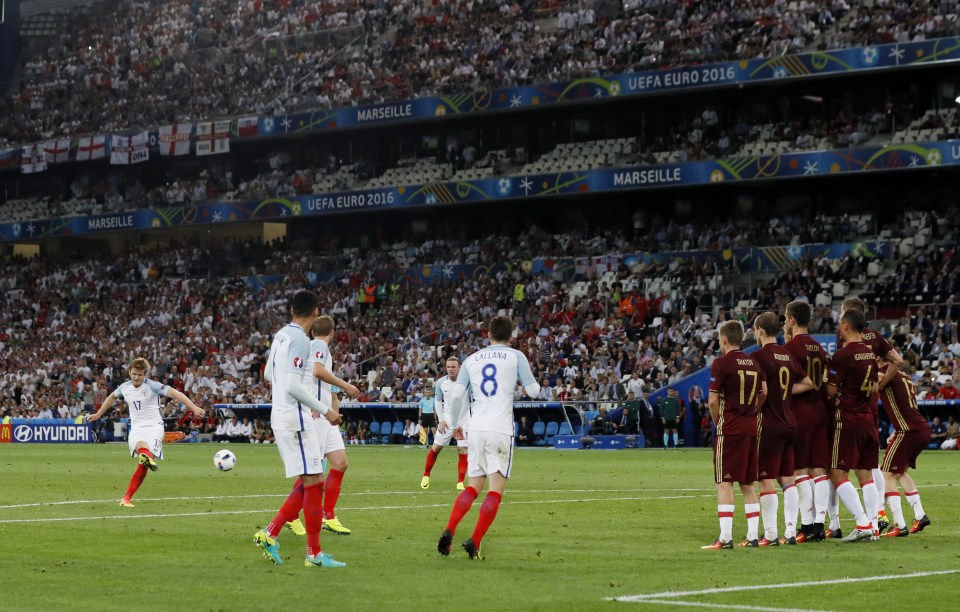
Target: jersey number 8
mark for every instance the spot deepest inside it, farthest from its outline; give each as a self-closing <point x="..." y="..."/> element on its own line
<point x="489" y="376"/>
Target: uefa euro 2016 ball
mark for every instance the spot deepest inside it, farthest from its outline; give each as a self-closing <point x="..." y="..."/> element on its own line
<point x="224" y="460"/>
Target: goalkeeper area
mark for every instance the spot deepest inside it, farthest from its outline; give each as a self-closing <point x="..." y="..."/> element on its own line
<point x="577" y="530"/>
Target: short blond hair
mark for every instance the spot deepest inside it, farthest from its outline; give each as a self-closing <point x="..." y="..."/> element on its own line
<point x="140" y="364"/>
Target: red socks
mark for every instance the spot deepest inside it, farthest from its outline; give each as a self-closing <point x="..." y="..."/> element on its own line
<point x="461" y="467"/>
<point x="331" y="487"/>
<point x="488" y="512"/>
<point x="461" y="507"/>
<point x="144" y="451"/>
<point x="431" y="460"/>
<point x="313" y="516"/>
<point x="138" y="475"/>
<point x="289" y="511"/>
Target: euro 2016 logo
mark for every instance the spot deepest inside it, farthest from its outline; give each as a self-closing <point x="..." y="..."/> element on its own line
<point x="297" y="362"/>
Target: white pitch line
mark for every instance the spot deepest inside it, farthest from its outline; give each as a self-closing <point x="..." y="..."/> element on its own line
<point x="698" y="604"/>
<point x="785" y="585"/>
<point x="355" y="509"/>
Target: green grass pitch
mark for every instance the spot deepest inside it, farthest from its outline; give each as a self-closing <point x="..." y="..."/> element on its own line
<point x="575" y="528"/>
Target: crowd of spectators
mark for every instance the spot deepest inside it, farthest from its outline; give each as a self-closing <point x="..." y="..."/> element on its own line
<point x="69" y="324"/>
<point x="125" y="64"/>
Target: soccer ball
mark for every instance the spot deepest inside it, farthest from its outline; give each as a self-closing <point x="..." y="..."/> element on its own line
<point x="224" y="460"/>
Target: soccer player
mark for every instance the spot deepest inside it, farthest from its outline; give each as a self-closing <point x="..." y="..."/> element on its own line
<point x="911" y="435"/>
<point x="318" y="379"/>
<point x="295" y="435"/>
<point x="491" y="375"/>
<point x="777" y="430"/>
<point x="145" y="439"/>
<point x="738" y="387"/>
<point x="851" y="386"/>
<point x="812" y="450"/>
<point x="884" y="351"/>
<point x="443" y="392"/>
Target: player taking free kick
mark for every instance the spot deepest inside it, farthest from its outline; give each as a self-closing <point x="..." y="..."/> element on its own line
<point x="491" y="374"/>
<point x="145" y="439"/>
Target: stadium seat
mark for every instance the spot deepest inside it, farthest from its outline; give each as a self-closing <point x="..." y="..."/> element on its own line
<point x="375" y="428"/>
<point x="396" y="434"/>
<point x="385" y="428"/>
<point x="564" y="429"/>
<point x="552" y="428"/>
<point x="538" y="431"/>
<point x="588" y="417"/>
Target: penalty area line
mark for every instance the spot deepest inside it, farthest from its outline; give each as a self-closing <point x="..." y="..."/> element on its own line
<point x="700" y="604"/>
<point x="643" y="598"/>
<point x="353" y="509"/>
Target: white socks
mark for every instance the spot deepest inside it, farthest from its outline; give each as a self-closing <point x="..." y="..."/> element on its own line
<point x="805" y="492"/>
<point x="821" y="497"/>
<point x="896" y="510"/>
<point x="725" y="514"/>
<point x="913" y="498"/>
<point x="791" y="507"/>
<point x="753" y="520"/>
<point x="848" y="494"/>
<point x="769" y="504"/>
<point x="871" y="501"/>
<point x="833" y="508"/>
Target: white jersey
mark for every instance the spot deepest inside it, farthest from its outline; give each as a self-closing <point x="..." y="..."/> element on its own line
<point x="319" y="353"/>
<point x="143" y="402"/>
<point x="490" y="376"/>
<point x="288" y="353"/>
<point x="443" y="392"/>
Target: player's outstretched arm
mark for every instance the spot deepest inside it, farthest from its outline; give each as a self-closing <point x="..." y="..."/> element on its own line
<point x="297" y="392"/>
<point x="106" y="405"/>
<point x="183" y="399"/>
<point x="802" y="387"/>
<point x="892" y="370"/>
<point x="321" y="372"/>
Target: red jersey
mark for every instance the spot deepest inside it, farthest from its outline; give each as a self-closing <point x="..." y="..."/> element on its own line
<point x="809" y="408"/>
<point x="872" y="339"/>
<point x="900" y="401"/>
<point x="782" y="371"/>
<point x="853" y="370"/>
<point x="736" y="377"/>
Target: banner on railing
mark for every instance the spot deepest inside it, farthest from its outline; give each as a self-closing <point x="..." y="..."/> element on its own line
<point x="33" y="433"/>
<point x="814" y="163"/>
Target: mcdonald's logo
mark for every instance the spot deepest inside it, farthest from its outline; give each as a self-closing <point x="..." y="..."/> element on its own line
<point x="5" y="433"/>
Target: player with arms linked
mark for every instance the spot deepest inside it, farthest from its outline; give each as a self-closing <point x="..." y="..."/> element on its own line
<point x="145" y="439"/>
<point x="738" y="387"/>
<point x="296" y="437"/>
<point x="491" y="375"/>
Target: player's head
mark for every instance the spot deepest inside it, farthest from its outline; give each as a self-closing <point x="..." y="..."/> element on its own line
<point x="852" y="323"/>
<point x="453" y="367"/>
<point x="322" y="326"/>
<point x="501" y="328"/>
<point x="731" y="335"/>
<point x="304" y="304"/>
<point x="138" y="370"/>
<point x="766" y="326"/>
<point x="798" y="315"/>
<point x="853" y="304"/>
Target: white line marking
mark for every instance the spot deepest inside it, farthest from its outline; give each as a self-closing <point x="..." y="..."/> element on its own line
<point x="355" y="509"/>
<point x="785" y="585"/>
<point x="698" y="604"/>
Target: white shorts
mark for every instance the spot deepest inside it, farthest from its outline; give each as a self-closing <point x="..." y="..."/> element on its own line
<point x="152" y="435"/>
<point x="300" y="451"/>
<point x="329" y="436"/>
<point x="443" y="439"/>
<point x="489" y="452"/>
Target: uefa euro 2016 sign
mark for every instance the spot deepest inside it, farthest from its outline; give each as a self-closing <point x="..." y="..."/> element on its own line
<point x="27" y="433"/>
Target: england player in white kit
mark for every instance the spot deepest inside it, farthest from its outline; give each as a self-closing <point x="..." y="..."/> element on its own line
<point x="443" y="394"/>
<point x="295" y="436"/>
<point x="319" y="379"/>
<point x="491" y="375"/>
<point x="145" y="439"/>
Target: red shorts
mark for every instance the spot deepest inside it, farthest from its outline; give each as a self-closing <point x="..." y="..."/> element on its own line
<point x="855" y="448"/>
<point x="735" y="459"/>
<point x="812" y="447"/>
<point x="776" y="455"/>
<point x="903" y="450"/>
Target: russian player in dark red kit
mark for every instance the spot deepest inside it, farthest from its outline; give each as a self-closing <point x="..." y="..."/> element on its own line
<point x="737" y="388"/>
<point x="910" y="437"/>
<point x="814" y="428"/>
<point x="851" y="385"/>
<point x="777" y="431"/>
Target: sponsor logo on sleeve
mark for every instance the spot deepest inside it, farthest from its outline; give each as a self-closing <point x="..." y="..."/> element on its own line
<point x="297" y="362"/>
